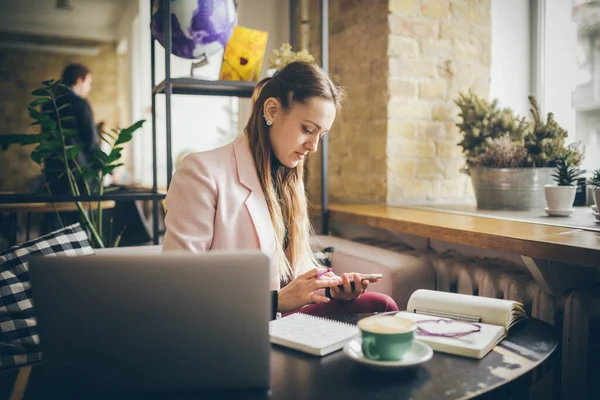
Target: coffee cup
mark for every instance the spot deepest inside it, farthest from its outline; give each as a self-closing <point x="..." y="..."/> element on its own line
<point x="386" y="337"/>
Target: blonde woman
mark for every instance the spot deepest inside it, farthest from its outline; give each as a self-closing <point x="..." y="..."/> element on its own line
<point x="250" y="194"/>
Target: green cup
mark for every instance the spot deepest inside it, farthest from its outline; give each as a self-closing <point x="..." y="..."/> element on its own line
<point x="386" y="338"/>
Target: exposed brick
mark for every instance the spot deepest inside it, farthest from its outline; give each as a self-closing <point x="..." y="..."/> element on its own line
<point x="459" y="11"/>
<point x="402" y="88"/>
<point x="416" y="68"/>
<point x="453" y="167"/>
<point x="397" y="130"/>
<point x="445" y="112"/>
<point x="436" y="48"/>
<point x="435" y="90"/>
<point x="456" y="188"/>
<point x="478" y="14"/>
<point x="435" y="8"/>
<point x="432" y="130"/>
<point x="454" y="30"/>
<point x="23" y="73"/>
<point x="448" y="149"/>
<point x="403" y="26"/>
<point x="404" y="7"/>
<point x="430" y="169"/>
<point x="465" y="51"/>
<point x="400" y="46"/>
<point x="409" y="109"/>
<point x="414" y="148"/>
<point x="402" y="167"/>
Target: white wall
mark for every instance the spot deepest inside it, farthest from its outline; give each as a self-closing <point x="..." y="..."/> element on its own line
<point x="511" y="49"/>
<point x="561" y="59"/>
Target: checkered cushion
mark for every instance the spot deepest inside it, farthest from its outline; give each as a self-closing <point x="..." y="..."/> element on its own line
<point x="324" y="256"/>
<point x="19" y="340"/>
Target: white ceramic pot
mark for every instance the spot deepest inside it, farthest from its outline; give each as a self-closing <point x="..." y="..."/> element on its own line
<point x="560" y="198"/>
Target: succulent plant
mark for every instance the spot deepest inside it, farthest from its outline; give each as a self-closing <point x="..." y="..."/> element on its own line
<point x="595" y="179"/>
<point x="502" y="153"/>
<point x="565" y="174"/>
<point x="482" y="122"/>
<point x="545" y="143"/>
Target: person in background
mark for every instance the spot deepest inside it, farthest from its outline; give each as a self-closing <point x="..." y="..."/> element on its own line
<point x="250" y="194"/>
<point x="78" y="79"/>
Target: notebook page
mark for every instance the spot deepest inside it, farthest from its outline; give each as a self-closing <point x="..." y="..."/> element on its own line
<point x="312" y="332"/>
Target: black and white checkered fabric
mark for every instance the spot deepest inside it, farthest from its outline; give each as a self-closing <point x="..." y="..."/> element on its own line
<point x="19" y="340"/>
<point x="324" y="256"/>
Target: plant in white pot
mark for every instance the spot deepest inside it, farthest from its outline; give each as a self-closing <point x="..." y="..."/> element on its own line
<point x="560" y="197"/>
<point x="594" y="182"/>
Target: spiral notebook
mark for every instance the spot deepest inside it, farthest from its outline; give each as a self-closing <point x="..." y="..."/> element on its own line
<point x="310" y="334"/>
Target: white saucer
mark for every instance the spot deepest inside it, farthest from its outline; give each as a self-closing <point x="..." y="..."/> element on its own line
<point x="559" y="213"/>
<point x="418" y="354"/>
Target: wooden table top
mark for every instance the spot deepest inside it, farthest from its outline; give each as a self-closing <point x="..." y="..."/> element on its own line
<point x="554" y="243"/>
<point x="52" y="207"/>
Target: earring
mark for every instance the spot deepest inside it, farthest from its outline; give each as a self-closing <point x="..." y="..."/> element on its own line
<point x="269" y="122"/>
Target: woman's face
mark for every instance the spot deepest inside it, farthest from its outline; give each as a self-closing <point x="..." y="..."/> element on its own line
<point x="296" y="132"/>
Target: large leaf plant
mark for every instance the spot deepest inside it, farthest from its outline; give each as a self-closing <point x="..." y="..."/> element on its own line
<point x="52" y="143"/>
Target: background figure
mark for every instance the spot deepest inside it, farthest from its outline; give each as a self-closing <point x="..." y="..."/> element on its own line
<point x="79" y="79"/>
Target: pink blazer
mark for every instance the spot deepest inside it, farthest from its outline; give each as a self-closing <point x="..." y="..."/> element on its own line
<point x="215" y="201"/>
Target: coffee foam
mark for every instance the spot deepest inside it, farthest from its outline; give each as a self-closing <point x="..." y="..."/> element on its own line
<point x="387" y="324"/>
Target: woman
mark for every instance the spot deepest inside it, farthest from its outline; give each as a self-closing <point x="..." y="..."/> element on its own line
<point x="250" y="195"/>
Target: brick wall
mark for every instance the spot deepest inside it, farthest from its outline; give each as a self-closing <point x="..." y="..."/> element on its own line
<point x="402" y="62"/>
<point x="357" y="143"/>
<point x="23" y="71"/>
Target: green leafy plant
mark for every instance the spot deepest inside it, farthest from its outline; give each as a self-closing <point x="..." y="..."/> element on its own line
<point x="482" y="122"/>
<point x="52" y="146"/>
<point x="566" y="174"/>
<point x="594" y="180"/>
<point x="502" y="153"/>
<point x="545" y="142"/>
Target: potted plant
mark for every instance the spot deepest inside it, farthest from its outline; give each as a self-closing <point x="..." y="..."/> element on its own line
<point x="284" y="55"/>
<point x="52" y="144"/>
<point x="594" y="182"/>
<point x="560" y="197"/>
<point x="508" y="159"/>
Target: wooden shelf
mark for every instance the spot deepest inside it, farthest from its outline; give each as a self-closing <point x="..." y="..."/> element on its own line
<point x="553" y="243"/>
<point x="191" y="86"/>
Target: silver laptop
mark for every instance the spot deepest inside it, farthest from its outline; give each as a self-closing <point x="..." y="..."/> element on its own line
<point x="148" y="323"/>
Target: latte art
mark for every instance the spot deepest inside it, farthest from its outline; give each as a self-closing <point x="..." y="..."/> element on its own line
<point x="386" y="324"/>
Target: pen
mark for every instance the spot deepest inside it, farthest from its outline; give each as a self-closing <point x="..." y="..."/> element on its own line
<point x="323" y="273"/>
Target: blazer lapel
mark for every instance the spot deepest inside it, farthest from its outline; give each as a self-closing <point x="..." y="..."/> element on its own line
<point x="255" y="202"/>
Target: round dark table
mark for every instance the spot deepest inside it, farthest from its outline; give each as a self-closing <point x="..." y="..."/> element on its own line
<point x="505" y="372"/>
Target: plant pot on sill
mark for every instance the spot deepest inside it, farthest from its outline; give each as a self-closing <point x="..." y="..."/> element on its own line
<point x="510" y="188"/>
<point x="560" y="199"/>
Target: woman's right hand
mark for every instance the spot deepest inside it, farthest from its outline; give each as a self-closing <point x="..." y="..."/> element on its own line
<point x="302" y="290"/>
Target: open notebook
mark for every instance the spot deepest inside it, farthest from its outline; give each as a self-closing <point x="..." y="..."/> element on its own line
<point x="310" y="334"/>
<point x="494" y="317"/>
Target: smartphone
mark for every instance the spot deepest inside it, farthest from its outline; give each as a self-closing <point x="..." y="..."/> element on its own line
<point x="369" y="277"/>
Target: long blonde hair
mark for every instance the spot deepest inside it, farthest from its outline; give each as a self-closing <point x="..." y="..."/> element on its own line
<point x="283" y="187"/>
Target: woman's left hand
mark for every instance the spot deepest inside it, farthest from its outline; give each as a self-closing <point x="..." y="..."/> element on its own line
<point x="347" y="293"/>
